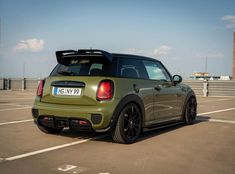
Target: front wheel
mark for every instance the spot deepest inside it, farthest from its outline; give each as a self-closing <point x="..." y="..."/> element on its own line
<point x="190" y="110"/>
<point x="128" y="126"/>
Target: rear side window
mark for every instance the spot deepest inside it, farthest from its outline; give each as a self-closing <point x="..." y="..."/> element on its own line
<point x="156" y="71"/>
<point x="84" y="66"/>
<point x="131" y="68"/>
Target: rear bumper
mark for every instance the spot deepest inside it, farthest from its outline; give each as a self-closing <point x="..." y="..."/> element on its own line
<point x="98" y="117"/>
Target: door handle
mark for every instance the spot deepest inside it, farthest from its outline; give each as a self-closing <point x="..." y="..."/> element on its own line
<point x="158" y="87"/>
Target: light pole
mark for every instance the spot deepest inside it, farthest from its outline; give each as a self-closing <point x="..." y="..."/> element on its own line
<point x="206" y="65"/>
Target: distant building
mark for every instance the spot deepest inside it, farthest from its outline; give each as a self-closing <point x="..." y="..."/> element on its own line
<point x="196" y="74"/>
<point x="201" y="76"/>
<point x="207" y="76"/>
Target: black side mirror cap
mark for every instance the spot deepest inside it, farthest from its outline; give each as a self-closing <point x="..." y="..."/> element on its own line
<point x="177" y="79"/>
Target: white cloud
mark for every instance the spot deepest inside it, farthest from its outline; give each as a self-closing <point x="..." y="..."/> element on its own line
<point x="230" y="20"/>
<point x="34" y="45"/>
<point x="162" y="50"/>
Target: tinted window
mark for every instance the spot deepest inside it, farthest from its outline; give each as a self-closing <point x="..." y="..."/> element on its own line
<point x="156" y="71"/>
<point x="131" y="68"/>
<point x="84" y="66"/>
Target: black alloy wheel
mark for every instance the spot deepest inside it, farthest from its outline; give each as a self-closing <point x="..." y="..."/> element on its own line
<point x="191" y="110"/>
<point x="128" y="126"/>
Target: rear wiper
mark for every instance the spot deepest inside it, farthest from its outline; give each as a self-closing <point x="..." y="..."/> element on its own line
<point x="67" y="73"/>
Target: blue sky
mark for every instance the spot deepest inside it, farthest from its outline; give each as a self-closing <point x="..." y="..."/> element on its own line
<point x="180" y="33"/>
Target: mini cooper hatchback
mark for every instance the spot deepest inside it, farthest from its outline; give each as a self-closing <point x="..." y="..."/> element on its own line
<point x="93" y="90"/>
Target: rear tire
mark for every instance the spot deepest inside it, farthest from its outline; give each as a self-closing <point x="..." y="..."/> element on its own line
<point x="49" y="130"/>
<point x="128" y="126"/>
<point x="190" y="112"/>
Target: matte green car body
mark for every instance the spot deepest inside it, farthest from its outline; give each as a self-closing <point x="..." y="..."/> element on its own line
<point x="84" y="106"/>
<point x="156" y="105"/>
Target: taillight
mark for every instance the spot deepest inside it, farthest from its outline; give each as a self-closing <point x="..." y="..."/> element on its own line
<point x="40" y="88"/>
<point x="105" y="90"/>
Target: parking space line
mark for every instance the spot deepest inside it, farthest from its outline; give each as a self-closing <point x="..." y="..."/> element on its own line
<point x="94" y="138"/>
<point x="52" y="148"/>
<point x="12" y="104"/>
<point x="14" y="122"/>
<point x="15" y="98"/>
<point x="216" y="111"/>
<point x="11" y="109"/>
<point x="214" y="100"/>
<point x="216" y="120"/>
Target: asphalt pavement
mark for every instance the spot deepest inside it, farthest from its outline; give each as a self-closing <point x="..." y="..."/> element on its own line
<point x="206" y="147"/>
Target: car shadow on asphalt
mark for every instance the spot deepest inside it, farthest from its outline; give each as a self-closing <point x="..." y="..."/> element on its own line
<point x="149" y="133"/>
<point x="146" y="134"/>
<point x="79" y="134"/>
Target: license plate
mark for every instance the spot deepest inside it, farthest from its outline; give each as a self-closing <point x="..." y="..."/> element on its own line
<point x="66" y="91"/>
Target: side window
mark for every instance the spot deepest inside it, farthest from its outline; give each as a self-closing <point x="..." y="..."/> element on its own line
<point x="156" y="71"/>
<point x="131" y="68"/>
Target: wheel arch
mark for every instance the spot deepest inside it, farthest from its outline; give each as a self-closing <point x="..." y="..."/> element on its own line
<point x="131" y="98"/>
<point x="190" y="94"/>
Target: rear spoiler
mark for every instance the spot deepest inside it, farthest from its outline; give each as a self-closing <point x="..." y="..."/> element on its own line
<point x="62" y="55"/>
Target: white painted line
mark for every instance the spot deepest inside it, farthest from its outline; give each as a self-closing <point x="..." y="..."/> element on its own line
<point x="67" y="168"/>
<point x="213" y="100"/>
<point x="11" y="98"/>
<point x="11" y="109"/>
<point x="217" y="120"/>
<point x="14" y="122"/>
<point x="52" y="148"/>
<point x="12" y="104"/>
<point x="217" y="111"/>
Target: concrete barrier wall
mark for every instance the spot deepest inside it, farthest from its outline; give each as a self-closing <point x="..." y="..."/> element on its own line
<point x="1" y="83"/>
<point x="31" y="84"/>
<point x="221" y="88"/>
<point x="215" y="88"/>
<point x="17" y="84"/>
<point x="196" y="85"/>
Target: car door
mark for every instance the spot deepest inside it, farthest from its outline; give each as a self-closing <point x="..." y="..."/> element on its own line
<point x="135" y="75"/>
<point x="167" y="102"/>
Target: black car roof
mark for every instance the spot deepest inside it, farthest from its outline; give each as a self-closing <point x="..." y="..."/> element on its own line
<point x="63" y="55"/>
<point x="132" y="56"/>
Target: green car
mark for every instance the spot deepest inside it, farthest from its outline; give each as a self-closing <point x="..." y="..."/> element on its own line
<point x="93" y="90"/>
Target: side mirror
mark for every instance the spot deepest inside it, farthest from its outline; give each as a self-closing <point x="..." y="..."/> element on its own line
<point x="177" y="79"/>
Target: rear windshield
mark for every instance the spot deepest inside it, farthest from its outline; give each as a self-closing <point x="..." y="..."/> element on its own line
<point x="84" y="66"/>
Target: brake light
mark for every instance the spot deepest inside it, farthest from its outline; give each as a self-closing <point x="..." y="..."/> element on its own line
<point x="40" y="88"/>
<point x="105" y="90"/>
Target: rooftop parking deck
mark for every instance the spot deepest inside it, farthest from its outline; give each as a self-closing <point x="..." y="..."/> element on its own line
<point x="205" y="147"/>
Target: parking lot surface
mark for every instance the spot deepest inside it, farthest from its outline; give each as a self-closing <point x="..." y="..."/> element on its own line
<point x="207" y="147"/>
